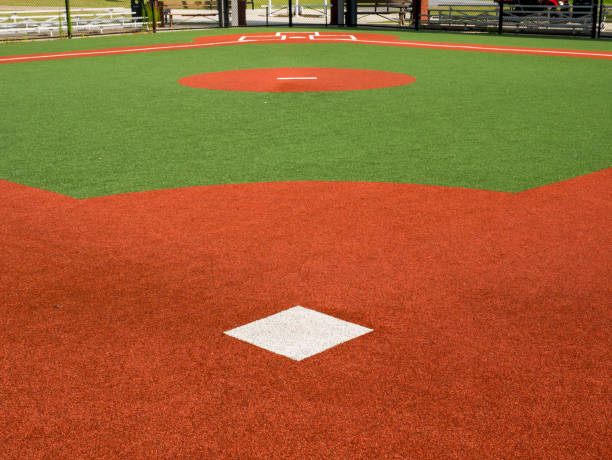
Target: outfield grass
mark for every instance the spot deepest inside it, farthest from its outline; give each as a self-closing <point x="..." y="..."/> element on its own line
<point x="113" y="124"/>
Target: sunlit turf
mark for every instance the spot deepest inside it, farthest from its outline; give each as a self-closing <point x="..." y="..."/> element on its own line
<point x="103" y="125"/>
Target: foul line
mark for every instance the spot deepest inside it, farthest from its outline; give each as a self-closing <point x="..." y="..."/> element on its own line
<point x="40" y="57"/>
<point x="492" y="49"/>
<point x="410" y="44"/>
<point x="296" y="78"/>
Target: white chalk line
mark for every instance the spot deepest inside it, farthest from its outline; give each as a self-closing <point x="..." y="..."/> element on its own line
<point x="489" y="48"/>
<point x="117" y="51"/>
<point x="375" y="42"/>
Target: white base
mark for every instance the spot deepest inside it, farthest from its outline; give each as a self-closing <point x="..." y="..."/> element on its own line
<point x="298" y="332"/>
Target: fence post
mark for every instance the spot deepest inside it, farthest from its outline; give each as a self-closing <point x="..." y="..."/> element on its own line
<point x="160" y="13"/>
<point x="337" y="13"/>
<point x="351" y="13"/>
<point x="242" y="13"/>
<point x="68" y="19"/>
<point x="220" y="10"/>
<point x="290" y="8"/>
<point x="594" y="17"/>
<point x="416" y="13"/>
<point x="500" y="27"/>
<point x="153" y="18"/>
<point x="600" y="17"/>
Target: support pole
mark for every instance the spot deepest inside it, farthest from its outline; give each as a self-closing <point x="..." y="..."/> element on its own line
<point x="223" y="17"/>
<point x="68" y="19"/>
<point x="351" y="13"/>
<point x="290" y="7"/>
<point x="594" y="17"/>
<point x="500" y="26"/>
<point x="325" y="6"/>
<point x="600" y="17"/>
<point x="242" y="13"/>
<point x="153" y="6"/>
<point x="334" y="13"/>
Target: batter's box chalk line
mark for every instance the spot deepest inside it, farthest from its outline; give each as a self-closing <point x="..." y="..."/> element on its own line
<point x="283" y="36"/>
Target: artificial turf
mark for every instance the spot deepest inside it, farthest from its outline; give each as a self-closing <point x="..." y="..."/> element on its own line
<point x="105" y="125"/>
<point x="182" y="36"/>
<point x="490" y="317"/>
<point x="489" y="310"/>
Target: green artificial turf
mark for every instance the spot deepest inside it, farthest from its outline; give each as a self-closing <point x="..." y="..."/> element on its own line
<point x="104" y="125"/>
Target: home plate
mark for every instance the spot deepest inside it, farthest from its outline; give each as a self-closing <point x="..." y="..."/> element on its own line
<point x="298" y="332"/>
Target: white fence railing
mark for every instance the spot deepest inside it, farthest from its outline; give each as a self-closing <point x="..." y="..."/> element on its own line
<point x="384" y="13"/>
<point x="53" y="22"/>
<point x="485" y="15"/>
<point x="298" y="10"/>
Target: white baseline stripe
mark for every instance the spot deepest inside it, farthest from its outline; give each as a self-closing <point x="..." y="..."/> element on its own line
<point x="236" y="42"/>
<point x="117" y="51"/>
<point x="484" y="48"/>
<point x="296" y="78"/>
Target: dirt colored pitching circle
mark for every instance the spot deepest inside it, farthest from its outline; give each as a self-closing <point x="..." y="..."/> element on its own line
<point x="297" y="79"/>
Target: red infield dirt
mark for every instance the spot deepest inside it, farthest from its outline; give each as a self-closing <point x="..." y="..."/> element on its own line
<point x="296" y="79"/>
<point x="490" y="314"/>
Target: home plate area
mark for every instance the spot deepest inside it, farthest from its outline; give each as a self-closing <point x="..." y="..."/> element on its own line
<point x="309" y="36"/>
<point x="297" y="37"/>
<point x="306" y="320"/>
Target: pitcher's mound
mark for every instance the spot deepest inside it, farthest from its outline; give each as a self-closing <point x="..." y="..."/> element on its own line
<point x="297" y="79"/>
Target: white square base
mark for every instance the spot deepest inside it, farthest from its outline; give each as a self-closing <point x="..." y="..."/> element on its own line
<point x="298" y="332"/>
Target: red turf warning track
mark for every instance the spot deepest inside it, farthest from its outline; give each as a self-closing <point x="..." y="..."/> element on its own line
<point x="491" y="318"/>
<point x="296" y="79"/>
<point x="308" y="37"/>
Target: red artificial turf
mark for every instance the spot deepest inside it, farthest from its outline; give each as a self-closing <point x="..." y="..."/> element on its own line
<point x="491" y="318"/>
<point x="296" y="79"/>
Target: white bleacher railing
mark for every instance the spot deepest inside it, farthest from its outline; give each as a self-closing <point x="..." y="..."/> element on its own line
<point x="53" y="21"/>
<point x="298" y="9"/>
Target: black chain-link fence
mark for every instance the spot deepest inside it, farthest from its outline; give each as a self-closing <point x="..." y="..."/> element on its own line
<point x="176" y="14"/>
<point x="605" y="21"/>
<point x="559" y="17"/>
<point x="64" y="18"/>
